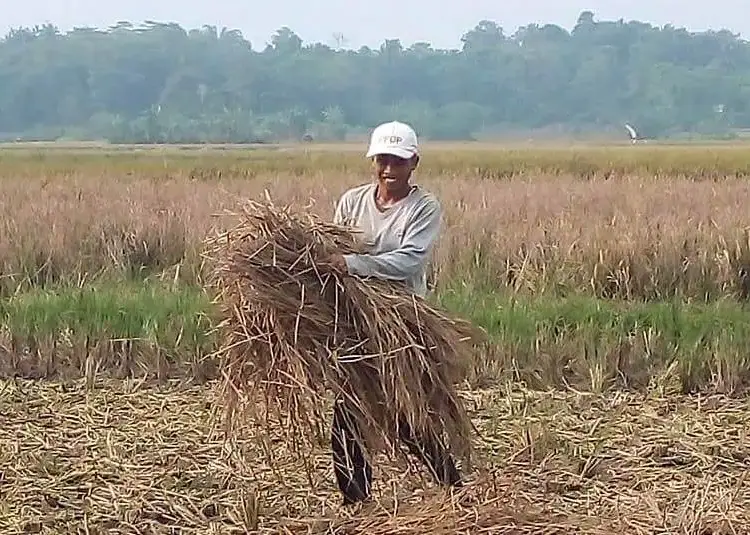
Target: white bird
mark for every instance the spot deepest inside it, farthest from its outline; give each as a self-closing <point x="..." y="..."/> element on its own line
<point x="632" y="132"/>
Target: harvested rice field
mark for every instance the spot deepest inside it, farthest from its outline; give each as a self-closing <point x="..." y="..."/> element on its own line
<point x="611" y="396"/>
<point x="124" y="457"/>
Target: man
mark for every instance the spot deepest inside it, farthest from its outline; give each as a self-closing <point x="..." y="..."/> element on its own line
<point x="400" y="222"/>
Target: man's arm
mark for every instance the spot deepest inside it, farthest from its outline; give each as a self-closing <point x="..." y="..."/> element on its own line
<point x="401" y="263"/>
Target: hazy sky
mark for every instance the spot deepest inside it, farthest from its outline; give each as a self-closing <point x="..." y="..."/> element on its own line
<point x="440" y="22"/>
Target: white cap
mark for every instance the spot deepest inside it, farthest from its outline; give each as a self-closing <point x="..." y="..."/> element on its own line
<point x="394" y="138"/>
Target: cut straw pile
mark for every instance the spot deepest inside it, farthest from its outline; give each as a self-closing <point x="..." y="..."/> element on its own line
<point x="135" y="456"/>
<point x="295" y="330"/>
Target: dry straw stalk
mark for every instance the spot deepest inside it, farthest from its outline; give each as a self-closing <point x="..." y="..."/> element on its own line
<point x="295" y="330"/>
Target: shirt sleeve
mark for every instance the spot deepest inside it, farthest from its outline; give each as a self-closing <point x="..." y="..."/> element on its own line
<point x="400" y="264"/>
<point x="341" y="214"/>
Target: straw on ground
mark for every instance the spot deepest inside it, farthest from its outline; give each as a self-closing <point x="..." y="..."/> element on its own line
<point x="127" y="458"/>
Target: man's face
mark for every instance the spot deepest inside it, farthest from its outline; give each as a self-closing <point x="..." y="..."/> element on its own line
<point x="393" y="173"/>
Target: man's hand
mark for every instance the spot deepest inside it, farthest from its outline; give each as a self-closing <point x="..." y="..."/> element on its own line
<point x="338" y="262"/>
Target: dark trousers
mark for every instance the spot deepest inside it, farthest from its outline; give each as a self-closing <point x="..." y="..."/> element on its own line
<point x="353" y="472"/>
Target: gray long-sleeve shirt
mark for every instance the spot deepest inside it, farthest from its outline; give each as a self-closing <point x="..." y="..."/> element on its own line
<point x="400" y="239"/>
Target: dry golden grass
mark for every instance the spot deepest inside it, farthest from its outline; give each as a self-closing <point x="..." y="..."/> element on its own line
<point x="70" y="218"/>
<point x="123" y="457"/>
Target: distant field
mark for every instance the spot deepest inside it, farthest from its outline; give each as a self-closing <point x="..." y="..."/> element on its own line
<point x="614" y="278"/>
<point x="354" y="145"/>
<point x="481" y="160"/>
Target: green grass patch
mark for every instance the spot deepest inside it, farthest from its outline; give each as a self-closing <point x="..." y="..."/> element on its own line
<point x="596" y="344"/>
<point x="524" y="319"/>
<point x="129" y="310"/>
<point x="128" y="328"/>
<point x="545" y="342"/>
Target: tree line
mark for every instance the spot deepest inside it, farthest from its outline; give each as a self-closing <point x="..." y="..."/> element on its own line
<point x="162" y="83"/>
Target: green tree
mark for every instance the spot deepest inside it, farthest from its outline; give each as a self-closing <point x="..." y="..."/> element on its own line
<point x="161" y="83"/>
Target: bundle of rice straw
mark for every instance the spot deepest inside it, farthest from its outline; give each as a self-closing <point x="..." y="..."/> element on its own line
<point x="294" y="330"/>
